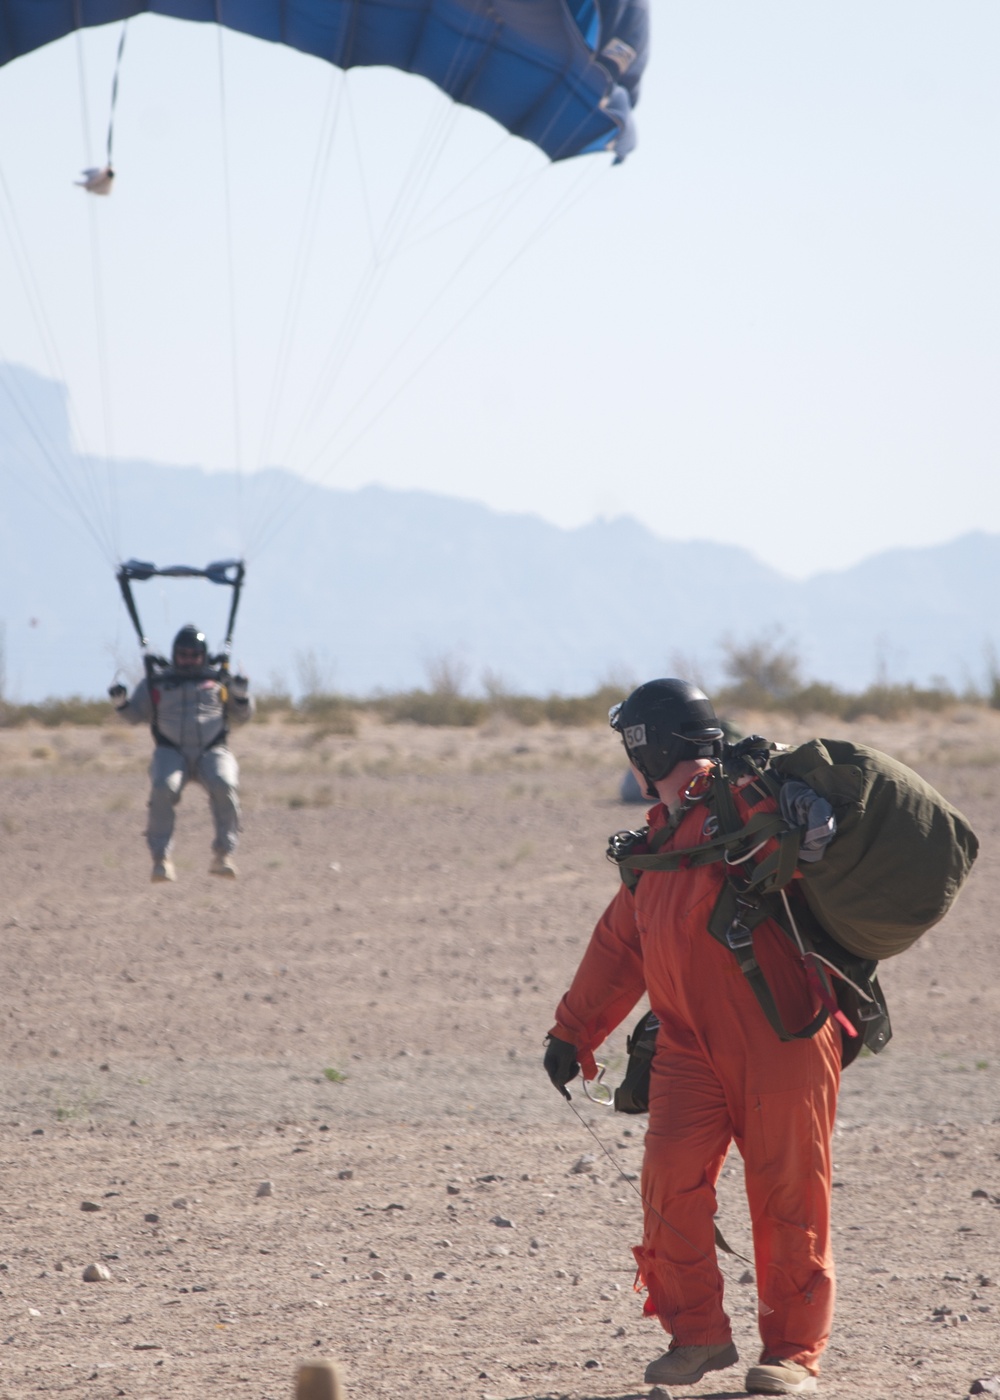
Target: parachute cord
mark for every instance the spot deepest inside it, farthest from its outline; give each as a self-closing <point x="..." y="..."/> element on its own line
<point x="114" y="93"/>
<point x="385" y="248"/>
<point x="648" y="1205"/>
<point x="97" y="286"/>
<point x="442" y="203"/>
<point x="568" y="201"/>
<point x="303" y="255"/>
<point x="234" y="367"/>
<point x="64" y="481"/>
<point x="51" y="450"/>
<point x="373" y="241"/>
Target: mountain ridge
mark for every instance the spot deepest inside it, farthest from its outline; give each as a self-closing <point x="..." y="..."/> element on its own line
<point x="366" y="588"/>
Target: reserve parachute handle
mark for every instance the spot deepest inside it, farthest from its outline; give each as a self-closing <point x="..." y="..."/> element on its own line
<point x="229" y="572"/>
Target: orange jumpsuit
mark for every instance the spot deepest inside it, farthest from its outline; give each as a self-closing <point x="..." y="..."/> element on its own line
<point x="719" y="1074"/>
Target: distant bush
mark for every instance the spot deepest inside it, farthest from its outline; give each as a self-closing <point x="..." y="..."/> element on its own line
<point x="433" y="707"/>
<point x="762" y="677"/>
<point x="52" y="713"/>
<point x="765" y="675"/>
<point x="272" y="702"/>
<point x="333" y="714"/>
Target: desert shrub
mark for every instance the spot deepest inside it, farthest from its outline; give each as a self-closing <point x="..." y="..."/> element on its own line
<point x="522" y="709"/>
<point x="885" y="701"/>
<point x="430" y="707"/>
<point x="53" y="712"/>
<point x="272" y="702"/>
<point x="762" y="673"/>
<point x="332" y="714"/>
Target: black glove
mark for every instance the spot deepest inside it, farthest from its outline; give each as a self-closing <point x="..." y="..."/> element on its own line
<point x="239" y="687"/>
<point x="117" y="693"/>
<point x="560" y="1063"/>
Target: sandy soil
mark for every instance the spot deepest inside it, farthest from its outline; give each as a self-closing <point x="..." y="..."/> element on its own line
<point x="358" y="1021"/>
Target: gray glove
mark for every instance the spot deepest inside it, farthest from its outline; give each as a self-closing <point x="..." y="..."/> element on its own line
<point x="117" y="693"/>
<point x="239" y="687"/>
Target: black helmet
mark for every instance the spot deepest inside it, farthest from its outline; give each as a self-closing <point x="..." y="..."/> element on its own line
<point x="663" y="723"/>
<point x="190" y="641"/>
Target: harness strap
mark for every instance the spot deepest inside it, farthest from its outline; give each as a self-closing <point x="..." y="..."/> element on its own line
<point x="761" y="827"/>
<point x="732" y="924"/>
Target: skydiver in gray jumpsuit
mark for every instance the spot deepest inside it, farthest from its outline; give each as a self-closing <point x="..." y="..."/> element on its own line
<point x="189" y="711"/>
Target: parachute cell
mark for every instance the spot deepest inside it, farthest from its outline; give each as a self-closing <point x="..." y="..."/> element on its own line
<point x="563" y="74"/>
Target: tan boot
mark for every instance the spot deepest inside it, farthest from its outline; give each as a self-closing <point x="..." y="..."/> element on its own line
<point x="685" y="1365"/>
<point x="163" y="871"/>
<point x="222" y="864"/>
<point x="776" y="1375"/>
<point x="319" y="1380"/>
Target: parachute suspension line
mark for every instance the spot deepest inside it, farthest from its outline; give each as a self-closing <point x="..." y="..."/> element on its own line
<point x="51" y="450"/>
<point x="496" y="220"/>
<point x="303" y="255"/>
<point x="385" y="247"/>
<point x="27" y="417"/>
<point x="373" y="242"/>
<point x="570" y="198"/>
<point x="97" y="285"/>
<point x="234" y="366"/>
<point x="114" y="94"/>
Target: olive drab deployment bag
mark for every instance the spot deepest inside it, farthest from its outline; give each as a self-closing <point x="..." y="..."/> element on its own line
<point x="892" y="870"/>
<point x="900" y="855"/>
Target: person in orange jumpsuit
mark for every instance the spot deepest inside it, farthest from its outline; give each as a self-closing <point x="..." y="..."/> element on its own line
<point x="720" y="1074"/>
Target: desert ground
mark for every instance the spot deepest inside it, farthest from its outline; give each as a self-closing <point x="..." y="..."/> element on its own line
<point x="358" y="1022"/>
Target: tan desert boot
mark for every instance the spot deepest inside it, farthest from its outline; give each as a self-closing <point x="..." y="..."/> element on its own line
<point x="163" y="870"/>
<point x="686" y="1365"/>
<point x="222" y="864"/>
<point x="778" y="1376"/>
<point x="319" y="1380"/>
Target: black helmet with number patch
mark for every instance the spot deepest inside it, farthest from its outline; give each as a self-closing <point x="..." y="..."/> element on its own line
<point x="664" y="722"/>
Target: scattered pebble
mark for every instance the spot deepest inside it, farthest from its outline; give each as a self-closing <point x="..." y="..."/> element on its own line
<point x="265" y="1189"/>
<point x="97" y="1273"/>
<point x="347" y="1174"/>
<point x="502" y="1223"/>
<point x="561" y="1273"/>
<point x="181" y="1203"/>
<point x="440" y="1273"/>
<point x="407" y="1277"/>
<point x="592" y="1365"/>
<point x="746" y="1276"/>
<point x="378" y="1276"/>
<point x="583" y="1164"/>
<point x="453" y="1190"/>
<point x="151" y="1218"/>
<point x="34" y="1312"/>
<point x="986" y="1385"/>
<point x="498" y="1251"/>
<point x="89" y="1205"/>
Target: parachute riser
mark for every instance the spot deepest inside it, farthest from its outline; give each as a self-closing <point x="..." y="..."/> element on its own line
<point x="230" y="572"/>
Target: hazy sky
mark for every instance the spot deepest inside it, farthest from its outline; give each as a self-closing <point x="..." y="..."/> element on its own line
<point x="778" y="324"/>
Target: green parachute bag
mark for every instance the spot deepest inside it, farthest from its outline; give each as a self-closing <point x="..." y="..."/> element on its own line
<point x="900" y="855"/>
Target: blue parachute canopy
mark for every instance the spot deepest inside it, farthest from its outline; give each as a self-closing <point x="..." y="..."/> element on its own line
<point x="563" y="74"/>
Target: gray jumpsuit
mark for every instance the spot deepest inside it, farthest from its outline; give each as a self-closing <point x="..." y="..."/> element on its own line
<point x="190" y="730"/>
